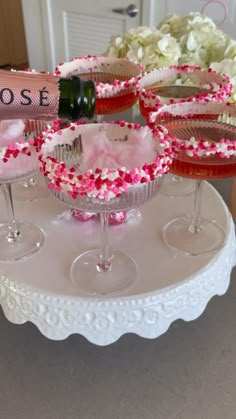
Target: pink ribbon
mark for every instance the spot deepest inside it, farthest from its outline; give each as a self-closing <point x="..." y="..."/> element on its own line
<point x="222" y="3"/>
<point x="115" y="218"/>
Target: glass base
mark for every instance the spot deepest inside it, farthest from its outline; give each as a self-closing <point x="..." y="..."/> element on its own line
<point x="175" y="186"/>
<point x="29" y="241"/>
<point x="85" y="276"/>
<point x="98" y="119"/>
<point x="209" y="239"/>
<point x="30" y="189"/>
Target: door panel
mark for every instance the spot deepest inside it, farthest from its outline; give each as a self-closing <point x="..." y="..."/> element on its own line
<point x="12" y="45"/>
<point x="5" y="55"/>
<point x="84" y="27"/>
<point x="77" y="29"/>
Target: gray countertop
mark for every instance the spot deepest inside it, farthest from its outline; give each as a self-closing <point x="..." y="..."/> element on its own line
<point x="187" y="373"/>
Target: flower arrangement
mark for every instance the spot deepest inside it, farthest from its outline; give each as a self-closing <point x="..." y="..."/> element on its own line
<point x="193" y="39"/>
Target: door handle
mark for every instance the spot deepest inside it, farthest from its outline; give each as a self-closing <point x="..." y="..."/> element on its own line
<point x="130" y="10"/>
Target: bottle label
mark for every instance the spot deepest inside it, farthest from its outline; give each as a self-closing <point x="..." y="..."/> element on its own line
<point x="26" y="95"/>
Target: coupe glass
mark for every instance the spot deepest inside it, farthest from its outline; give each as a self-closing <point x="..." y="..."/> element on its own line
<point x="197" y="159"/>
<point x="98" y="271"/>
<point x="180" y="84"/>
<point x="18" y="238"/>
<point x="32" y="188"/>
<point x="115" y="79"/>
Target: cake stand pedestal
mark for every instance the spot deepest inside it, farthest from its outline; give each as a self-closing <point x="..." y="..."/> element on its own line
<point x="169" y="286"/>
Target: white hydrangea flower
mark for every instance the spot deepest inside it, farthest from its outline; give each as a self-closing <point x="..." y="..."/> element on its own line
<point x="173" y="25"/>
<point x="193" y="58"/>
<point x="192" y="39"/>
<point x="202" y="23"/>
<point x="147" y="46"/>
<point x="230" y="51"/>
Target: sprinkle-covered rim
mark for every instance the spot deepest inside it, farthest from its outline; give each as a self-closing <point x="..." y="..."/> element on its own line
<point x="218" y="85"/>
<point x="120" y="67"/>
<point x="33" y="71"/>
<point x="223" y="114"/>
<point x="27" y="147"/>
<point x="101" y="183"/>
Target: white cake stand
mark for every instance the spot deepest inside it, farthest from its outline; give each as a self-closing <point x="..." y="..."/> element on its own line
<point x="170" y="286"/>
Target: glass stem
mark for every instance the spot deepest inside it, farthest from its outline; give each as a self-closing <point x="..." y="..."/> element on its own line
<point x="30" y="182"/>
<point x="175" y="178"/>
<point x="104" y="262"/>
<point x="195" y="225"/>
<point x="99" y="119"/>
<point x="13" y="233"/>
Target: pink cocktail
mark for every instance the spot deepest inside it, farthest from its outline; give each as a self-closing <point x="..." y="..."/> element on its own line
<point x="204" y="137"/>
<point x="124" y="179"/>
<point x="115" y="79"/>
<point x="177" y="84"/>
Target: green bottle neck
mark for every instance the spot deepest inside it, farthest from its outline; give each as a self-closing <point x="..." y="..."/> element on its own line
<point x="77" y="98"/>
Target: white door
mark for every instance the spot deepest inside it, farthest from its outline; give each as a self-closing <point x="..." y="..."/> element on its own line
<point x="74" y="27"/>
<point x="223" y="12"/>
